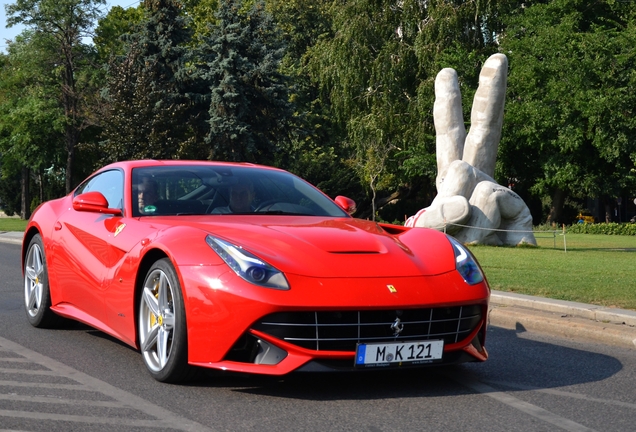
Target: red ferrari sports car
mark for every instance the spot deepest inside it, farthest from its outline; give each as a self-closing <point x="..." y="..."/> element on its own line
<point x="248" y="268"/>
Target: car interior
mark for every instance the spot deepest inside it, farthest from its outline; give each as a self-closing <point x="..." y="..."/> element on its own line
<point x="199" y="190"/>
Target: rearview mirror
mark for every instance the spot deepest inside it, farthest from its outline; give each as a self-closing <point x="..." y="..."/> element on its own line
<point x="93" y="202"/>
<point x="347" y="204"/>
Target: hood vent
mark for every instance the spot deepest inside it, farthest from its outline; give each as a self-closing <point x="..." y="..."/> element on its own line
<point x="361" y="252"/>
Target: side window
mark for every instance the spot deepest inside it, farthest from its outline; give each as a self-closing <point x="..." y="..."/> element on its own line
<point x="110" y="184"/>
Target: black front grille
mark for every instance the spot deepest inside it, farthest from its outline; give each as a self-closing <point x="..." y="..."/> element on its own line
<point x="342" y="330"/>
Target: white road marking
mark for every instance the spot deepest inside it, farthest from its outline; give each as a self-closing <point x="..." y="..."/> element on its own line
<point x="518" y="404"/>
<point x="564" y="394"/>
<point x="31" y="415"/>
<point x="27" y="372"/>
<point x="78" y="387"/>
<point x="162" y="418"/>
<point x="60" y="401"/>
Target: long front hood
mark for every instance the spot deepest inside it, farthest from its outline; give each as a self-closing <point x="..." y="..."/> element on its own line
<point x="333" y="247"/>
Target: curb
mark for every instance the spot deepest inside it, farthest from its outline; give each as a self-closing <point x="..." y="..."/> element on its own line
<point x="580" y="321"/>
<point x="581" y="310"/>
<point x="14" y="237"/>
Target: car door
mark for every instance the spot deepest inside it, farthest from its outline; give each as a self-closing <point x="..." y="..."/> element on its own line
<point x="83" y="251"/>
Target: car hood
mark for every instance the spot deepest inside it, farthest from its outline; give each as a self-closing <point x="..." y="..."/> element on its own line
<point x="334" y="247"/>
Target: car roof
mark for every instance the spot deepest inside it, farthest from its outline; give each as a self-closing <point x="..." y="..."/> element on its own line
<point x="153" y="162"/>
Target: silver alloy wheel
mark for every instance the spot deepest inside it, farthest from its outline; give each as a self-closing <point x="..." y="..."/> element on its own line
<point x="33" y="280"/>
<point x="156" y="320"/>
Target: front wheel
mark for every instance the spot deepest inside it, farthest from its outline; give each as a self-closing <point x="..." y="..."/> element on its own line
<point x="162" y="324"/>
<point x="37" y="295"/>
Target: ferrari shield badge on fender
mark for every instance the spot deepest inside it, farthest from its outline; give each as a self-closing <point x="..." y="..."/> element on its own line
<point x="119" y="229"/>
<point x="392" y="289"/>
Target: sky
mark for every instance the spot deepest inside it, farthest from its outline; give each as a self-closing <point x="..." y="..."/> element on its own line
<point x="10" y="33"/>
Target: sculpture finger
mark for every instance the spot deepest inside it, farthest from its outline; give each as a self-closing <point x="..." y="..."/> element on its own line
<point x="482" y="142"/>
<point x="449" y="121"/>
<point x="461" y="179"/>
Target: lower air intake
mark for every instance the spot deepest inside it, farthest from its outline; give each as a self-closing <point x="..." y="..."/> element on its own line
<point x="342" y="330"/>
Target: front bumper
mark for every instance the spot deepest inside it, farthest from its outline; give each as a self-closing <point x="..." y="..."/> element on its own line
<point x="226" y="317"/>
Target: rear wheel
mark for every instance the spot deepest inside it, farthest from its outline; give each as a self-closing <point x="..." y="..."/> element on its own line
<point x="162" y="324"/>
<point x="37" y="295"/>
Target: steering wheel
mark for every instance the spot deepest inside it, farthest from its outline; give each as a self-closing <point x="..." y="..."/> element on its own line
<point x="267" y="203"/>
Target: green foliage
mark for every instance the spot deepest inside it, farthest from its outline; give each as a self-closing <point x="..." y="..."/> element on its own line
<point x="324" y="167"/>
<point x="316" y="151"/>
<point x="58" y="18"/>
<point x="347" y="105"/>
<point x="249" y="108"/>
<point x="302" y="23"/>
<point x="32" y="126"/>
<point x="367" y="73"/>
<point x="9" y="184"/>
<point x="202" y="15"/>
<point x="32" y="122"/>
<point x="150" y="107"/>
<point x="110" y="30"/>
<point x="375" y="70"/>
<point x="612" y="228"/>
<point x="62" y="24"/>
<point x="569" y="124"/>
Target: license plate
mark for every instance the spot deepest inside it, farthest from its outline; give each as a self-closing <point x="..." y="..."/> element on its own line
<point x="397" y="353"/>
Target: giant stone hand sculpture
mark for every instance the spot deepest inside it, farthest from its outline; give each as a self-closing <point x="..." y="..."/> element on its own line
<point x="469" y="204"/>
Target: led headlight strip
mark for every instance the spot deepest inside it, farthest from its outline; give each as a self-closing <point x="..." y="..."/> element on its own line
<point x="248" y="266"/>
<point x="466" y="264"/>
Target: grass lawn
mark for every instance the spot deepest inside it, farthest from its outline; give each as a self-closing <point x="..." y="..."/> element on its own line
<point x="12" y="224"/>
<point x="596" y="269"/>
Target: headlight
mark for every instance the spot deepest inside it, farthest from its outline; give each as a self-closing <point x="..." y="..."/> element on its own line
<point x="466" y="264"/>
<point x="247" y="266"/>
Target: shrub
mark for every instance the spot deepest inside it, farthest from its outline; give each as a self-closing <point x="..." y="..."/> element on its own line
<point x="611" y="228"/>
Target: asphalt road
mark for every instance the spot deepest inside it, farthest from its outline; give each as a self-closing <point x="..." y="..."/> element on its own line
<point x="80" y="379"/>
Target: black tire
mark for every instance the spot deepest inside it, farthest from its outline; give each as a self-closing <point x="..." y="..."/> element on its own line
<point x="37" y="294"/>
<point x="162" y="330"/>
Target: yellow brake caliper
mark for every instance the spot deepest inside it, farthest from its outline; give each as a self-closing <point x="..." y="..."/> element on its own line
<point x="153" y="318"/>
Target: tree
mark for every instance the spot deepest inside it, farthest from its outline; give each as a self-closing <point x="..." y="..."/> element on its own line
<point x="32" y="122"/>
<point x="151" y="108"/>
<point x="65" y="23"/>
<point x="110" y="31"/>
<point x="569" y="129"/>
<point x="370" y="160"/>
<point x="202" y="13"/>
<point x="315" y="151"/>
<point x="249" y="108"/>
<point x="10" y="176"/>
<point x="376" y="67"/>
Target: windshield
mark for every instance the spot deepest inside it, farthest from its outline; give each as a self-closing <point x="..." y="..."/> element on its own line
<point x="223" y="190"/>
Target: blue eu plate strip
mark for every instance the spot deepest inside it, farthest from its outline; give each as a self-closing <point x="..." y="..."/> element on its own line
<point x="362" y="350"/>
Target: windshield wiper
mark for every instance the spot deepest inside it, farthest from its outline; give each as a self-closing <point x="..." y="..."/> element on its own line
<point x="282" y="212"/>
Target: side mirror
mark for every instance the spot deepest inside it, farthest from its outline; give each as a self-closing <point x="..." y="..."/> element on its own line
<point x="93" y="202"/>
<point x="347" y="204"/>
